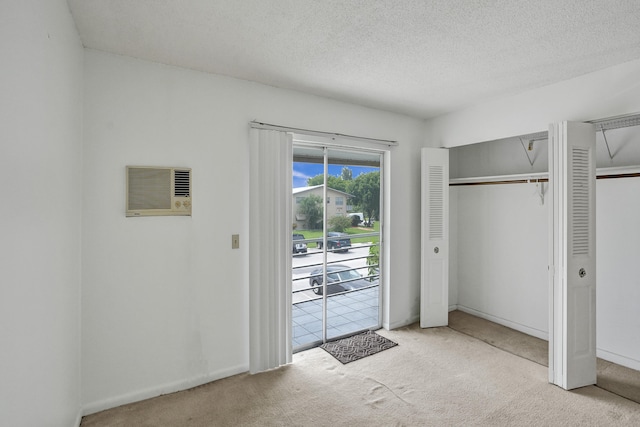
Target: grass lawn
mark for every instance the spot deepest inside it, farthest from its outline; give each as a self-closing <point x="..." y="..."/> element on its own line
<point x="353" y="231"/>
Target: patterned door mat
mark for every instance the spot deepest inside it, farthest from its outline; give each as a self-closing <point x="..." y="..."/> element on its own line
<point x="357" y="346"/>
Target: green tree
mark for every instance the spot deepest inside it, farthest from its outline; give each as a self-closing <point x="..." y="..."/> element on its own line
<point x="366" y="191"/>
<point x="315" y="180"/>
<point x="311" y="208"/>
<point x="335" y="182"/>
<point x="339" y="223"/>
<point x="346" y="174"/>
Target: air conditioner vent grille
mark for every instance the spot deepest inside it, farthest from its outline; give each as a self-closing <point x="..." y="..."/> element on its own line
<point x="149" y="188"/>
<point x="182" y="183"/>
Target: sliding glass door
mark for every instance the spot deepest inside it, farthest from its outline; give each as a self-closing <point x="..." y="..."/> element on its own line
<point x="336" y="241"/>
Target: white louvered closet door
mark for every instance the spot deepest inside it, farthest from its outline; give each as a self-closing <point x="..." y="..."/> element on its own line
<point x="572" y="329"/>
<point x="434" y="288"/>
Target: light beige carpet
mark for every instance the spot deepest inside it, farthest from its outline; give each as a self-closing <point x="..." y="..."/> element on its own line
<point x="617" y="379"/>
<point x="433" y="377"/>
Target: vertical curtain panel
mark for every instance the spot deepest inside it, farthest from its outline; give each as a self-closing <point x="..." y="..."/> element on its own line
<point x="270" y="223"/>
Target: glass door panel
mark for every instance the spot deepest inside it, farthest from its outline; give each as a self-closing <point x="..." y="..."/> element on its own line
<point x="353" y="236"/>
<point x="307" y="242"/>
<point x="336" y="269"/>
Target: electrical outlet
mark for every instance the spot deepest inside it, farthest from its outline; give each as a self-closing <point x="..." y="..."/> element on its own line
<point x="235" y="241"/>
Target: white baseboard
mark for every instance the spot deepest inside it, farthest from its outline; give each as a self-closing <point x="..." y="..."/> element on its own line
<point x="401" y="324"/>
<point x="159" y="390"/>
<point x="509" y="324"/>
<point x="411" y="320"/>
<point x="618" y="359"/>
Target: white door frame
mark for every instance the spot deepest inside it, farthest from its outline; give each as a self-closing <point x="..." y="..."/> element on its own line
<point x="325" y="146"/>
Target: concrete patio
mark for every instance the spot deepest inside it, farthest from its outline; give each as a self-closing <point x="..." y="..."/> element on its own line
<point x="346" y="313"/>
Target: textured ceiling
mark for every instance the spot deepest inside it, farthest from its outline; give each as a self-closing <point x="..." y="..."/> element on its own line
<point x="418" y="57"/>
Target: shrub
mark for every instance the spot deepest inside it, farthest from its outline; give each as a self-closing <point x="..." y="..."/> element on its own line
<point x="373" y="260"/>
<point x="339" y="223"/>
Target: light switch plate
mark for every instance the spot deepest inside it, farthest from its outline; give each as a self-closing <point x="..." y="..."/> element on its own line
<point x="235" y="241"/>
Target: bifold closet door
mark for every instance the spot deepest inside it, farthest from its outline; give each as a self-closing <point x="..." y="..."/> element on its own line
<point x="434" y="287"/>
<point x="572" y="258"/>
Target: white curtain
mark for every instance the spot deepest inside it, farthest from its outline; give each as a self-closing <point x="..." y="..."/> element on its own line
<point x="270" y="225"/>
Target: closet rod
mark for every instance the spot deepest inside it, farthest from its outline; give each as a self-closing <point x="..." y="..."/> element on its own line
<point x="511" y="181"/>
<point x="536" y="180"/>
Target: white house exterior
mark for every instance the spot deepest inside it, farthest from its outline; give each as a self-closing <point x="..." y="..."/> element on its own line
<point x="336" y="203"/>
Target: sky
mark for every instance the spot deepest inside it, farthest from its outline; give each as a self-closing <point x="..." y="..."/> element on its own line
<point x="304" y="171"/>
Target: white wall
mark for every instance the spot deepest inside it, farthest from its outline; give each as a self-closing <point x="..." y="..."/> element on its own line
<point x="606" y="93"/>
<point x="165" y="300"/>
<point x="618" y="282"/>
<point x="502" y="255"/>
<point x="503" y="157"/>
<point x="40" y="160"/>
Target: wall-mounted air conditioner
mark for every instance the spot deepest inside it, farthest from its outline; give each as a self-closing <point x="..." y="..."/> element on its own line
<point x="154" y="191"/>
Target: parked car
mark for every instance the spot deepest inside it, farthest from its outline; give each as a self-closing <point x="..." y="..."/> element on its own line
<point x="340" y="242"/>
<point x="299" y="247"/>
<point x="340" y="278"/>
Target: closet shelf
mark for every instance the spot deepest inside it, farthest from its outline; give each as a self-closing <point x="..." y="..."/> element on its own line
<point x="601" y="173"/>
